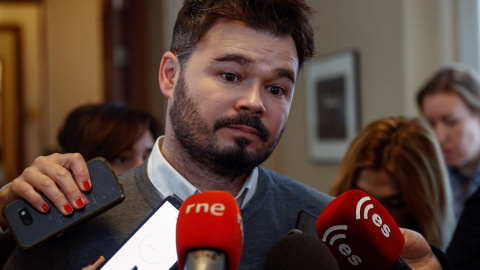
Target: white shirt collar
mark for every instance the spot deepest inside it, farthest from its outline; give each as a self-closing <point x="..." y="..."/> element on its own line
<point x="168" y="181"/>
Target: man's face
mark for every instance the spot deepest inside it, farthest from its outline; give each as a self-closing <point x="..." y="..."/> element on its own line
<point x="232" y="100"/>
<point x="456" y="127"/>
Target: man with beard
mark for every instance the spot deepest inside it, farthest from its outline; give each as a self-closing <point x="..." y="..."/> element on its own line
<point x="229" y="78"/>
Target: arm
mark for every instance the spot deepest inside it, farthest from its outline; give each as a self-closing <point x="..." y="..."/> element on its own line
<point x="45" y="174"/>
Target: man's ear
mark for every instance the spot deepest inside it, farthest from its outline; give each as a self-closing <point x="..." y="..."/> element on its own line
<point x="168" y="73"/>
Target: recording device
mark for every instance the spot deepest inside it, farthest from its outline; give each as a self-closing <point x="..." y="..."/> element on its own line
<point x="299" y="250"/>
<point x="152" y="244"/>
<point x="209" y="232"/>
<point x="31" y="227"/>
<point x="360" y="233"/>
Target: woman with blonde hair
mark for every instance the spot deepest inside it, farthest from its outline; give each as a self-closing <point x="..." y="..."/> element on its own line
<point x="398" y="162"/>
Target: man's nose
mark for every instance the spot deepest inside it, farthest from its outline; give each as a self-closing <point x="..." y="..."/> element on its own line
<point x="251" y="101"/>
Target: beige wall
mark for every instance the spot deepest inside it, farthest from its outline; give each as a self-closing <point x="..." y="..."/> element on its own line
<point x="400" y="44"/>
<point x="62" y="63"/>
<point x="28" y="18"/>
<point x="75" y="56"/>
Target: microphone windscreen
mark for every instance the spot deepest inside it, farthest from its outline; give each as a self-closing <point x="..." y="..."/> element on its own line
<point x="299" y="251"/>
<point x="360" y="232"/>
<point x="210" y="220"/>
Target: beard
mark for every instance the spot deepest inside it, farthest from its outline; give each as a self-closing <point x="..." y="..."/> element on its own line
<point x="201" y="143"/>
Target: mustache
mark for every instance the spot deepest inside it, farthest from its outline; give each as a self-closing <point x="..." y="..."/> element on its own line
<point x="245" y="120"/>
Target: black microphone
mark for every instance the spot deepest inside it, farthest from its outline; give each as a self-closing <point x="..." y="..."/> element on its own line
<point x="299" y="251"/>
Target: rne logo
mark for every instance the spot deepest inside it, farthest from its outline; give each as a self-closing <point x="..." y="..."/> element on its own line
<point x="215" y="209"/>
<point x="376" y="219"/>
<point x="340" y="233"/>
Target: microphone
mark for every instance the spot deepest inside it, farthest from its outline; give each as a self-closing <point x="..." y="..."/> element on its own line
<point x="360" y="233"/>
<point x="298" y="250"/>
<point x="209" y="233"/>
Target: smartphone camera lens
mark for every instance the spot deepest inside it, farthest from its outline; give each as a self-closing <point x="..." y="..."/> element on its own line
<point x="25" y="216"/>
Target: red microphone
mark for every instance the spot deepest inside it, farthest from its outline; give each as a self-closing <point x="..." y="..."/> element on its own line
<point x="209" y="232"/>
<point x="360" y="233"/>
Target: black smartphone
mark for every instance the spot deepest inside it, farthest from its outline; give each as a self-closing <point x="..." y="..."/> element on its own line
<point x="306" y="223"/>
<point x="31" y="228"/>
<point x="152" y="245"/>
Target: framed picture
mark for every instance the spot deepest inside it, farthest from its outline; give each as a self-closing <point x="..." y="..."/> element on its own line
<point x="332" y="105"/>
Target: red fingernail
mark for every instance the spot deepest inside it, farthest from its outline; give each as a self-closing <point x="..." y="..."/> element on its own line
<point x="94" y="261"/>
<point x="86" y="185"/>
<point x="68" y="208"/>
<point x="80" y="202"/>
<point x="84" y="198"/>
<point x="45" y="207"/>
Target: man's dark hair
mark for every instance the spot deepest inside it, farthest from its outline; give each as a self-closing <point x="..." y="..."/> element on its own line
<point x="280" y="18"/>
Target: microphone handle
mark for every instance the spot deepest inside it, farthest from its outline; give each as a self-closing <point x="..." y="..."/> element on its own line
<point x="205" y="259"/>
<point x="400" y="264"/>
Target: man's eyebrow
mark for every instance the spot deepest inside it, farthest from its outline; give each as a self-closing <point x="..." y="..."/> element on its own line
<point x="234" y="58"/>
<point x="241" y="60"/>
<point x="285" y="73"/>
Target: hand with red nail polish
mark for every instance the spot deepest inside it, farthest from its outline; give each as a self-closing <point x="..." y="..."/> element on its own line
<point x="52" y="176"/>
<point x="80" y="202"/>
<point x="68" y="208"/>
<point x="86" y="185"/>
<point x="95" y="264"/>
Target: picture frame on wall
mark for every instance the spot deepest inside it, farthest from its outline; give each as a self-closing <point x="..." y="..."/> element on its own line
<point x="332" y="105"/>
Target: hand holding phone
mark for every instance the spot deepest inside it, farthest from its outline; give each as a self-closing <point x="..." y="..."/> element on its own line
<point x="31" y="227"/>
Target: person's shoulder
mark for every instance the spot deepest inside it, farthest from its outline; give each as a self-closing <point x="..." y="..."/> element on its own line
<point x="290" y="187"/>
<point x="136" y="183"/>
<point x="132" y="175"/>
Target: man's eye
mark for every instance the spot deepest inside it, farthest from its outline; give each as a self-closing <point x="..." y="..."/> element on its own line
<point x="275" y="90"/>
<point x="230" y="77"/>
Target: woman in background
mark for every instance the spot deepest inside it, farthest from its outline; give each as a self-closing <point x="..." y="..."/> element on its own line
<point x="119" y="133"/>
<point x="399" y="163"/>
<point x="450" y="101"/>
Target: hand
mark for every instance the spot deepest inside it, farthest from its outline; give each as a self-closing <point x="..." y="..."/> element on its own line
<point x="45" y="174"/>
<point x="417" y="252"/>
<point x="95" y="264"/>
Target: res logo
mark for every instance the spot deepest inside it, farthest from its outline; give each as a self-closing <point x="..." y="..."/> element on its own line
<point x="340" y="231"/>
<point x="376" y="219"/>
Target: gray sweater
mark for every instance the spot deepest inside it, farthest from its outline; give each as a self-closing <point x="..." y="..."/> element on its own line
<point x="267" y="217"/>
